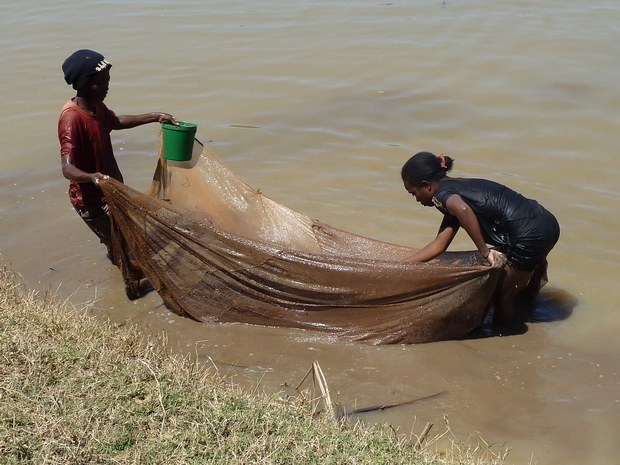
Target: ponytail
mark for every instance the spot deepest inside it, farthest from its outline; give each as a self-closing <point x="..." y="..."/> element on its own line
<point x="425" y="166"/>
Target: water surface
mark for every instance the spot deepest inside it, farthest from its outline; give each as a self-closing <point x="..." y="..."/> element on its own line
<point x="319" y="104"/>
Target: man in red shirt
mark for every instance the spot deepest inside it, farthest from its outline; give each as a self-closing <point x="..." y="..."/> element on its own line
<point x="84" y="127"/>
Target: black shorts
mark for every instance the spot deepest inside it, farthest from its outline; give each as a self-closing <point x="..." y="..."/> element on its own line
<point x="533" y="247"/>
<point x="98" y="220"/>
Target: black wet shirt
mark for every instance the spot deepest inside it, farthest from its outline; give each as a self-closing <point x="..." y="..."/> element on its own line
<point x="505" y="216"/>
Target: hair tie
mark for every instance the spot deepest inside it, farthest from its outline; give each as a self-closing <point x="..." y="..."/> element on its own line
<point x="442" y="160"/>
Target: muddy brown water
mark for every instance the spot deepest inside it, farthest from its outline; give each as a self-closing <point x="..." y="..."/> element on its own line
<point x="319" y="104"/>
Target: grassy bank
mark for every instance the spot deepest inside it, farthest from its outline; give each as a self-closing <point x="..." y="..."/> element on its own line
<point x="76" y="390"/>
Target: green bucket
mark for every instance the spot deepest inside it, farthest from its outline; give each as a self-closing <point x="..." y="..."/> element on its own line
<point x="178" y="141"/>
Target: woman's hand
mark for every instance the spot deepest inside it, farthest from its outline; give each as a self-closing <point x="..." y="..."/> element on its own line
<point x="492" y="257"/>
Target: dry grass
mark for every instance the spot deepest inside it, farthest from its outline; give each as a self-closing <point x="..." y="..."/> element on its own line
<point x="75" y="390"/>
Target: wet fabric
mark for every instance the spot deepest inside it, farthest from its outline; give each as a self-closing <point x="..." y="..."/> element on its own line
<point x="218" y="250"/>
<point x="520" y="227"/>
<point x="86" y="139"/>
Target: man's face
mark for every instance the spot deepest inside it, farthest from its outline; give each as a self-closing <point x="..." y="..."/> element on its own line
<point x="98" y="86"/>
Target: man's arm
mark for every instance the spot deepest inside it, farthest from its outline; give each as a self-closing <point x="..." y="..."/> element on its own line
<point x="131" y="121"/>
<point x="73" y="173"/>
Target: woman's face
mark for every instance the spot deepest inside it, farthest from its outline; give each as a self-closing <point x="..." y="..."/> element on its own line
<point x="423" y="194"/>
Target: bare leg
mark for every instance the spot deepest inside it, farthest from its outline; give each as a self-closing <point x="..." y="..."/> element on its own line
<point x="537" y="281"/>
<point x="510" y="284"/>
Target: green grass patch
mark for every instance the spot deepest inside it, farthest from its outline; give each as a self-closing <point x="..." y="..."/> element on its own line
<point x="76" y="390"/>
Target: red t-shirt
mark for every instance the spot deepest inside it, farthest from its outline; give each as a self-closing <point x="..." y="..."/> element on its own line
<point x="86" y="139"/>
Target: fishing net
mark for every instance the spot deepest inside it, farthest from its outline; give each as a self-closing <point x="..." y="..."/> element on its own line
<point x="217" y="250"/>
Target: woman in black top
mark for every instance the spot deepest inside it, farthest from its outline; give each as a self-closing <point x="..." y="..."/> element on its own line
<point x="491" y="214"/>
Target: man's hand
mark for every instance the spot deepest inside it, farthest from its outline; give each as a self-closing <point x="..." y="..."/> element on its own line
<point x="96" y="177"/>
<point x="165" y="117"/>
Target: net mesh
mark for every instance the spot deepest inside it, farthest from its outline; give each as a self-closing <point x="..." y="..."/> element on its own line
<point x="217" y="250"/>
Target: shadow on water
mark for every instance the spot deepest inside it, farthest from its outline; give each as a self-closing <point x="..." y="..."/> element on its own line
<point x="551" y="304"/>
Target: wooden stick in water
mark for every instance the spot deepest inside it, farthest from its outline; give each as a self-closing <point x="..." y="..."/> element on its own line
<point x="422" y="437"/>
<point x="397" y="404"/>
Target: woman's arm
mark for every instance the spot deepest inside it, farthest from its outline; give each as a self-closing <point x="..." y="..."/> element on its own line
<point x="433" y="249"/>
<point x="131" y="121"/>
<point x="466" y="216"/>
